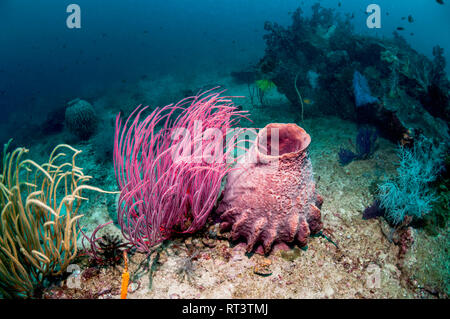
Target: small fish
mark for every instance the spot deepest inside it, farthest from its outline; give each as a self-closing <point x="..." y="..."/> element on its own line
<point x="387" y="13"/>
<point x="410" y="19"/>
<point x="145" y="31"/>
<point x="403" y="18"/>
<point x="440" y="1"/>
<point x="339" y="4"/>
<point x="307" y="101"/>
<point x="400" y="28"/>
<point x="411" y="33"/>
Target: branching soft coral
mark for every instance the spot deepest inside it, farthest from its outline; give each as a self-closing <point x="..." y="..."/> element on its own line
<point x="409" y="195"/>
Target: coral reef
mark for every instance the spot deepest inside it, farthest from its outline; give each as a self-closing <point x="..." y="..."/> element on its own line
<point x="81" y="119"/>
<point x="223" y="271"/>
<point x="270" y="195"/>
<point x="405" y="84"/>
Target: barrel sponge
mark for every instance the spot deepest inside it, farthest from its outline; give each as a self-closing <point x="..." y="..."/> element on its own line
<point x="81" y="119"/>
<point x="272" y="199"/>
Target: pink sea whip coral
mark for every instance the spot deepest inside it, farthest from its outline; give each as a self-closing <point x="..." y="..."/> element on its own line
<point x="170" y="165"/>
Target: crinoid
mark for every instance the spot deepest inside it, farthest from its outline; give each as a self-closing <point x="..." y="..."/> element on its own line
<point x="110" y="250"/>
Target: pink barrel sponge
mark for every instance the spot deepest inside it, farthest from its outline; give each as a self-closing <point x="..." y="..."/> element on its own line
<point x="269" y="198"/>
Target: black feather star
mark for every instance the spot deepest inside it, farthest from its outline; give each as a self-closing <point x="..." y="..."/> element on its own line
<point x="373" y="211"/>
<point x="111" y="250"/>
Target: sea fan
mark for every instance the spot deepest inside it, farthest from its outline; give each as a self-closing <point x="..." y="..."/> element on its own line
<point x="361" y="90"/>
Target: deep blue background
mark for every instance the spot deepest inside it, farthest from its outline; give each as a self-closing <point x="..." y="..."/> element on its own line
<point x="43" y="64"/>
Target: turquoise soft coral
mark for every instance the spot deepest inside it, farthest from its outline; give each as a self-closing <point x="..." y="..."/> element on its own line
<point x="409" y="194"/>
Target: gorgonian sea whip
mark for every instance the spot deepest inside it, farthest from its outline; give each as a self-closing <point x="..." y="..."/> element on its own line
<point x="169" y="166"/>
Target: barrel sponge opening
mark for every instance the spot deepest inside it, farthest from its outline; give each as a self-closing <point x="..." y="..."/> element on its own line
<point x="288" y="138"/>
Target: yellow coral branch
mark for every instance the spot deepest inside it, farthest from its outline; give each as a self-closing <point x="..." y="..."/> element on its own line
<point x="36" y="238"/>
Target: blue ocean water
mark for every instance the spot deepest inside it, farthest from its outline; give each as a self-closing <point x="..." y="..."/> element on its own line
<point x="43" y="63"/>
